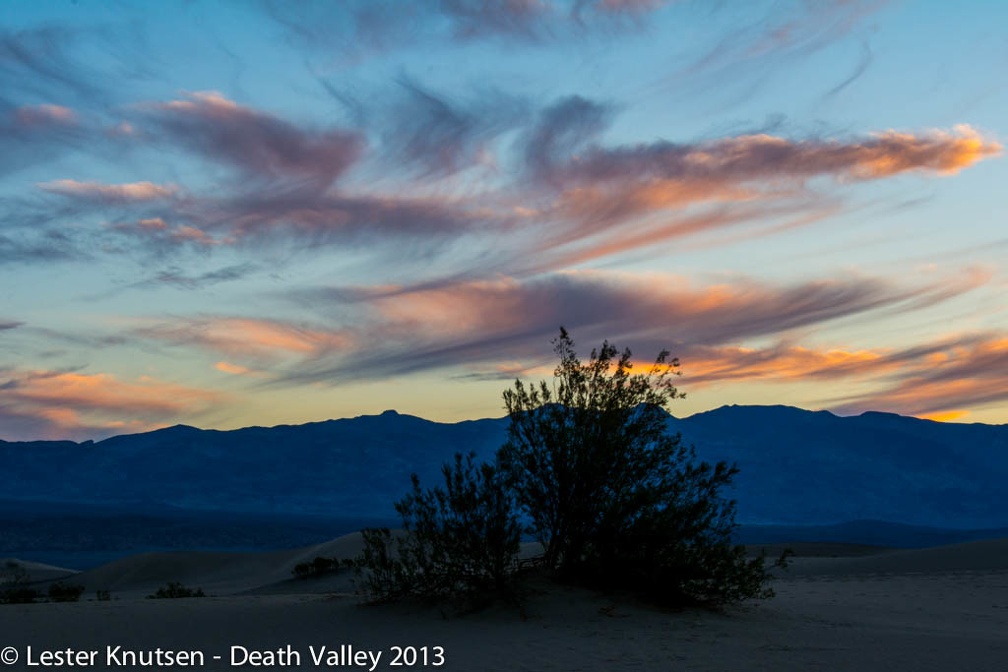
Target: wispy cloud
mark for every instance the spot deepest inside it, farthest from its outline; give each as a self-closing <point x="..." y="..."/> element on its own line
<point x="133" y="192"/>
<point x="70" y="404"/>
<point x="607" y="200"/>
<point x="752" y="158"/>
<point x="255" y="340"/>
<point x="478" y="324"/>
<point x="255" y="142"/>
<point x="30" y="134"/>
<point x="756" y="39"/>
<point x="38" y="63"/>
<point x="383" y="25"/>
<point x="962" y="373"/>
<point x="50" y="246"/>
<point x="439" y="135"/>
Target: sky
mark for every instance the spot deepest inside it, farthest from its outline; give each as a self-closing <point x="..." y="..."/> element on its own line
<point x="227" y="214"/>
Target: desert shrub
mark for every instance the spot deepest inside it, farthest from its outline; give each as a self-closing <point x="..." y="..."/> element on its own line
<point x="613" y="496"/>
<point x="103" y="595"/>
<point x="320" y="566"/>
<point x="13" y="585"/>
<point x="459" y="540"/>
<point x="65" y="592"/>
<point x="176" y="589"/>
<point x="19" y="595"/>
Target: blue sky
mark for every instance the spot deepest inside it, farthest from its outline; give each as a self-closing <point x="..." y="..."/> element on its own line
<point x="235" y="213"/>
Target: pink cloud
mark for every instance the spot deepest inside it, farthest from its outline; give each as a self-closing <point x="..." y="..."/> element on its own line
<point x="133" y="192"/>
<point x="45" y="115"/>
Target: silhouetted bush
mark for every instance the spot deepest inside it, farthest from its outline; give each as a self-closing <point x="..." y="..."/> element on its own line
<point x="65" y="592"/>
<point x="13" y="588"/>
<point x="174" y="590"/>
<point x="321" y="566"/>
<point x="103" y="595"/>
<point x="614" y="497"/>
<point x="458" y="541"/>
<point x="19" y="595"/>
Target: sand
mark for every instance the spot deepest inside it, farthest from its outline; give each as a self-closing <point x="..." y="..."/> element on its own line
<point x="932" y="609"/>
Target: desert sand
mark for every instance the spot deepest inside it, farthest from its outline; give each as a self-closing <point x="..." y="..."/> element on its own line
<point x="944" y="608"/>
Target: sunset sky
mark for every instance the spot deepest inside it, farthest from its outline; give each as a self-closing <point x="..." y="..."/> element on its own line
<point x="251" y="213"/>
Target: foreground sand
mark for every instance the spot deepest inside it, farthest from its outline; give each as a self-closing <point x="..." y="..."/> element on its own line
<point x="933" y="609"/>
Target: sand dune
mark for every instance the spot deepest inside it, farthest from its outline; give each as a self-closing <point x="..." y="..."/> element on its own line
<point x="37" y="571"/>
<point x="931" y="609"/>
<point x="216" y="573"/>
<point x="975" y="556"/>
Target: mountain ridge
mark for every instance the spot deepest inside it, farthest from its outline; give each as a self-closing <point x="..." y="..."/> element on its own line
<point x="797" y="467"/>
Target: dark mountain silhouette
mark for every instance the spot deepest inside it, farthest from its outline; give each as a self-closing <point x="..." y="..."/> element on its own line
<point x="798" y="468"/>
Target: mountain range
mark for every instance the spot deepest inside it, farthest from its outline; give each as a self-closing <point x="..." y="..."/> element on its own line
<point x="797" y="468"/>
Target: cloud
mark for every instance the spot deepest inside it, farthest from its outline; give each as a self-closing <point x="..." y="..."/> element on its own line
<point x="964" y="372"/>
<point x="563" y="128"/>
<point x="176" y="277"/>
<point x="233" y="369"/>
<point x="30" y="134"/>
<point x="69" y="404"/>
<point x="134" y="192"/>
<point x="7" y="325"/>
<point x="368" y="26"/>
<point x="476" y="18"/>
<point x="766" y="158"/>
<point x="45" y="115"/>
<point x="478" y="323"/>
<point x="440" y="135"/>
<point x="256" y="143"/>
<point x="47" y="247"/>
<point x="596" y="200"/>
<point x="307" y="217"/>
<point x="39" y="63"/>
<point x="618" y="6"/>
<point x="936" y="379"/>
<point x="749" y="46"/>
<point x="257" y="340"/>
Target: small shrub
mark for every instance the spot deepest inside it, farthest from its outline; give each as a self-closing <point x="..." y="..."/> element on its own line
<point x="460" y="540"/>
<point x="19" y="595"/>
<point x="65" y="592"/>
<point x="103" y="595"/>
<point x="319" y="567"/>
<point x="174" y="590"/>
<point x="783" y="562"/>
<point x="13" y="588"/>
<point x="13" y="574"/>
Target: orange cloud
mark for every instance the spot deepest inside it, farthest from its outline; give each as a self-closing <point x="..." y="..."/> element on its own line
<point x="257" y="339"/>
<point x="972" y="372"/>
<point x="891" y="152"/>
<point x="938" y="380"/>
<point x="233" y="369"/>
<point x="57" y="404"/>
<point x="946" y="416"/>
<point x="761" y="158"/>
<point x="782" y="363"/>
